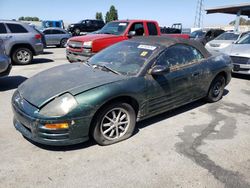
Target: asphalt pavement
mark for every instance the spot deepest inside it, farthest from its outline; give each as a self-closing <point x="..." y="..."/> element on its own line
<point x="197" y="145"/>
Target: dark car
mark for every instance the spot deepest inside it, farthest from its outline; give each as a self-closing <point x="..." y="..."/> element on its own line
<point x="85" y="26"/>
<point x="5" y="62"/>
<point x="124" y="83"/>
<point x="206" y="36"/>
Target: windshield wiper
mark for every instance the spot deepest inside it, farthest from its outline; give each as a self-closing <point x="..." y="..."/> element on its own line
<point x="106" y="68"/>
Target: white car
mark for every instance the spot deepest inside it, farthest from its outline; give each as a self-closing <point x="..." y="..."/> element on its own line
<point x="240" y="55"/>
<point x="220" y="43"/>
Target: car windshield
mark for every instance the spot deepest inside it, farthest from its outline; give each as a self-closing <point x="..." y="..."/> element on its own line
<point x="227" y="36"/>
<point x="114" y="28"/>
<point x="126" y="58"/>
<point x="244" y="40"/>
<point x="197" y="34"/>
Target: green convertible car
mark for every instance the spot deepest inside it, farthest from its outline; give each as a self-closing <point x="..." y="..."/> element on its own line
<point x="104" y="97"/>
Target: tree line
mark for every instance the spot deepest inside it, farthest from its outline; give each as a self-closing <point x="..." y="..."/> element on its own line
<point x="28" y="18"/>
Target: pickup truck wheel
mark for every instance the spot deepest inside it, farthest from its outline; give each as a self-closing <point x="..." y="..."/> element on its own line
<point x="77" y="31"/>
<point x="22" y="56"/>
<point x="63" y="43"/>
<point x="216" y="89"/>
<point x="116" y="122"/>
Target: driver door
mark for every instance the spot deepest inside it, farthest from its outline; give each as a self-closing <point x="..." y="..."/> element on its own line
<point x="172" y="89"/>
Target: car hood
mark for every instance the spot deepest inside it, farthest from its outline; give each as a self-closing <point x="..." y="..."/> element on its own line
<point x="72" y="78"/>
<point x="92" y="37"/>
<point x="221" y="42"/>
<point x="242" y="50"/>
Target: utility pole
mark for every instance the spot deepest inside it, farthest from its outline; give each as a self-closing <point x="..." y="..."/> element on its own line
<point x="199" y="14"/>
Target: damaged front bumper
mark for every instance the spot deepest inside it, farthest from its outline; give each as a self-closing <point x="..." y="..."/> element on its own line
<point x="35" y="130"/>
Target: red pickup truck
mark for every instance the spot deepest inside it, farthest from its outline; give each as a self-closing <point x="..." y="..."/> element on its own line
<point x="82" y="47"/>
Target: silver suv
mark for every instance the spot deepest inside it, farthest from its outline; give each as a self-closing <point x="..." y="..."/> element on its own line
<point x="21" y="41"/>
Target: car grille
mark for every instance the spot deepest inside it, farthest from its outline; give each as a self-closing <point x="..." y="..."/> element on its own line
<point x="75" y="44"/>
<point x="215" y="45"/>
<point x="240" y="60"/>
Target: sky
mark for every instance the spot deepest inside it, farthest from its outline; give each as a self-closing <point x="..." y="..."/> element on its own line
<point x="166" y="12"/>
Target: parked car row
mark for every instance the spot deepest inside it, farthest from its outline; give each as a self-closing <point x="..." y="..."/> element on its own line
<point x="237" y="46"/>
<point x="82" y="47"/>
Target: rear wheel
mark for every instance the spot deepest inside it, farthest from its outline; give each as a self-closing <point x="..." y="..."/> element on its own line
<point x="77" y="31"/>
<point x="216" y="89"/>
<point x="114" y="124"/>
<point x="63" y="43"/>
<point x="22" y="56"/>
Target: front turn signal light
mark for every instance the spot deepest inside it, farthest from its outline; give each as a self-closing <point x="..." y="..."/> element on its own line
<point x="57" y="126"/>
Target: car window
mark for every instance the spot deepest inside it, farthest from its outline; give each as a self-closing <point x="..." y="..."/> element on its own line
<point x="47" y="32"/>
<point x="244" y="40"/>
<point x="2" y="29"/>
<point x="152" y="30"/>
<point x="16" y="28"/>
<point x="179" y="55"/>
<point x="55" y="31"/>
<point x="138" y="28"/>
<point x="227" y="36"/>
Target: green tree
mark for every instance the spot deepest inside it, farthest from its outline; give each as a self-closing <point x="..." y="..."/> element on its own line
<point x="99" y="16"/>
<point x="21" y="18"/>
<point x="111" y="15"/>
<point x="35" y="19"/>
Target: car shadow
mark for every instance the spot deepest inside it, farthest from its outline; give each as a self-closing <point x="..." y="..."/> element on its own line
<point x="37" y="61"/>
<point x="83" y="145"/>
<point x="241" y="76"/>
<point x="11" y="82"/>
<point x="46" y="53"/>
<point x="140" y="125"/>
<point x="41" y="60"/>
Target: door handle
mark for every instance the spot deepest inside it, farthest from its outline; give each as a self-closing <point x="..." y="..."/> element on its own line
<point x="8" y="37"/>
<point x="196" y="74"/>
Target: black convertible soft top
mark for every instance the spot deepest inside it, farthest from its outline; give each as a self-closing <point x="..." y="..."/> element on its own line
<point x="165" y="42"/>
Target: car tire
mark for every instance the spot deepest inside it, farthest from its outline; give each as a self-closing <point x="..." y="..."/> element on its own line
<point x="114" y="123"/>
<point x="216" y="89"/>
<point x="77" y="31"/>
<point x="63" y="43"/>
<point x="22" y="56"/>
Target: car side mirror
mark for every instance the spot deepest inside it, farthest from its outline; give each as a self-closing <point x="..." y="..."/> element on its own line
<point x="159" y="70"/>
<point x="131" y="34"/>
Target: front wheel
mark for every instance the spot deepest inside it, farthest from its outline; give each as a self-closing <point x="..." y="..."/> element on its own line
<point x="115" y="123"/>
<point x="216" y="89"/>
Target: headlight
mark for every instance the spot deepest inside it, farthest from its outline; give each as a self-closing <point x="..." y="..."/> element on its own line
<point x="60" y="106"/>
<point x="71" y="25"/>
<point x="87" y="44"/>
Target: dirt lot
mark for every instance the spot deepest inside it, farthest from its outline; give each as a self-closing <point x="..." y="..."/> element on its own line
<point x="198" y="145"/>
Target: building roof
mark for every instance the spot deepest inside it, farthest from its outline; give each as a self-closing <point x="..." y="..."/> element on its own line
<point x="231" y="9"/>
